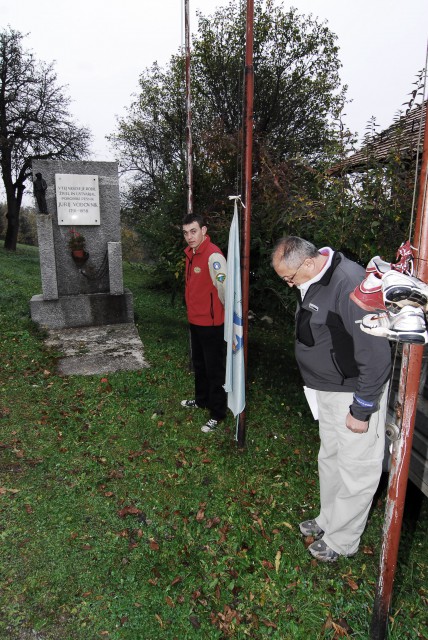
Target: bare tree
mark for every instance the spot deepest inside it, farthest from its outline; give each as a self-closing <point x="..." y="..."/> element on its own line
<point x="35" y="122"/>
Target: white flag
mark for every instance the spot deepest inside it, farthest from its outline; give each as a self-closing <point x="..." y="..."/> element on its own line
<point x="233" y="323"/>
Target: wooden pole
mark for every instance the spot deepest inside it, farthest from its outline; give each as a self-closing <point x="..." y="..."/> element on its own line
<point x="248" y="122"/>
<point x="189" y="141"/>
<point x="407" y="399"/>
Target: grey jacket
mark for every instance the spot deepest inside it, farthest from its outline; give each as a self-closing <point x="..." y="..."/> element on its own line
<point x="332" y="352"/>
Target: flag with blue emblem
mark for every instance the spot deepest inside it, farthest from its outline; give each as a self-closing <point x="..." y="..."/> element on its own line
<point x="233" y="323"/>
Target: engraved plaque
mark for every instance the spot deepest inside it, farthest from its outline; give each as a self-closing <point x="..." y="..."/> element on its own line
<point x="78" y="199"/>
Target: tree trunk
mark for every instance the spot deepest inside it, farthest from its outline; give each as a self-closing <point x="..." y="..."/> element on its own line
<point x="12" y="216"/>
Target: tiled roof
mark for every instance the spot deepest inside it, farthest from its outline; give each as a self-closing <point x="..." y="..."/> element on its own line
<point x="403" y="137"/>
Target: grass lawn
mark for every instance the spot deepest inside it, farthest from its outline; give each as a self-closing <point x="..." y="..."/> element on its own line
<point x="120" y="519"/>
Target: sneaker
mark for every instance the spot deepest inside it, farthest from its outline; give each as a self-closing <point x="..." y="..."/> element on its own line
<point x="321" y="551"/>
<point x="368" y="295"/>
<point x="408" y="325"/>
<point x="210" y="426"/>
<point x="379" y="266"/>
<point x="400" y="290"/>
<point x="311" y="528"/>
<point x="189" y="404"/>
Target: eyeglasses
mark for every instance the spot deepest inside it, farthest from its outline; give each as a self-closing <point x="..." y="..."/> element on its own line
<point x="290" y="279"/>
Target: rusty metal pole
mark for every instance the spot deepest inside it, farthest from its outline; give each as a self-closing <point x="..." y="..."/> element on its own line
<point x="248" y="122"/>
<point x="189" y="141"/>
<point x="407" y="400"/>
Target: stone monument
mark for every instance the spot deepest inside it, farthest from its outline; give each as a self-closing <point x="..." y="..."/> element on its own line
<point x="80" y="246"/>
<point x="87" y="313"/>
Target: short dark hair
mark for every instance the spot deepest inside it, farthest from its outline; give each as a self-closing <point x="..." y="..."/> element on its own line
<point x="194" y="217"/>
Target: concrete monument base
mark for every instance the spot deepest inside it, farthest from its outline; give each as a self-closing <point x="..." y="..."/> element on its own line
<point x="84" y="310"/>
<point x="97" y="350"/>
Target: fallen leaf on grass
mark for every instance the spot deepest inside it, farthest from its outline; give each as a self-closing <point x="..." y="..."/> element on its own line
<point x="268" y="623"/>
<point x="194" y="622"/>
<point x="341" y="627"/>
<point x="351" y="583"/>
<point x="277" y="560"/>
<point x="4" y="490"/>
<point x="308" y="540"/>
<point x="153" y="544"/>
<point x="223" y="533"/>
<point x="224" y="620"/>
<point x="116" y="474"/>
<point x="212" y="522"/>
<point x="260" y="523"/>
<point x="129" y="511"/>
<point x="201" y="512"/>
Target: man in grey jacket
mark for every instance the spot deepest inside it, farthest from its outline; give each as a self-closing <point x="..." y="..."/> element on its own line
<point x="348" y="371"/>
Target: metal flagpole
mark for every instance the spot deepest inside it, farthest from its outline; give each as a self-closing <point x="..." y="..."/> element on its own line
<point x="407" y="402"/>
<point x="189" y="143"/>
<point x="248" y="173"/>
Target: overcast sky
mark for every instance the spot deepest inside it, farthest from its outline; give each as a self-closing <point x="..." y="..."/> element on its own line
<point x="101" y="47"/>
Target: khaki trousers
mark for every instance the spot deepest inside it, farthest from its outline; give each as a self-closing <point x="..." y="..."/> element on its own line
<point x="349" y="467"/>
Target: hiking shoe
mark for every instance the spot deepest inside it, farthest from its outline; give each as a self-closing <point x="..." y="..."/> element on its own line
<point x="189" y="404"/>
<point x="210" y="426"/>
<point x="321" y="551"/>
<point x="400" y="290"/>
<point x="311" y="528"/>
<point x="368" y="295"/>
<point x="408" y="325"/>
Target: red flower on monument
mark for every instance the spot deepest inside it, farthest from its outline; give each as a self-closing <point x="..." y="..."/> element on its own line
<point x="76" y="241"/>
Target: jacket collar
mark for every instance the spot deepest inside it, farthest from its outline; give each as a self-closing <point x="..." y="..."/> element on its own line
<point x="201" y="249"/>
<point x="336" y="259"/>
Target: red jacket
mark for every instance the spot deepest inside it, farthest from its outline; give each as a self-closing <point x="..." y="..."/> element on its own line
<point x="204" y="307"/>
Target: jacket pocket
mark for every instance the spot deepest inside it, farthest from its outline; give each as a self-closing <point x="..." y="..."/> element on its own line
<point x="342" y="352"/>
<point x="303" y="328"/>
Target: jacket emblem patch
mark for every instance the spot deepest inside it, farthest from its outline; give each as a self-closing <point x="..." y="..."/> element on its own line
<point x="197" y="269"/>
<point x="216" y="266"/>
<point x="220" y="277"/>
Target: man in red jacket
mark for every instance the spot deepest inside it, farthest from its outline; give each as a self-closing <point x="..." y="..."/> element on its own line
<point x="205" y="278"/>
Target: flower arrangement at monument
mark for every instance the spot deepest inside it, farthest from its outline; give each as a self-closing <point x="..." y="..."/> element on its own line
<point x="76" y="242"/>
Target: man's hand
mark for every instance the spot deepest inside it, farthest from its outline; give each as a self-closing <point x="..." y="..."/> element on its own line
<point x="356" y="426"/>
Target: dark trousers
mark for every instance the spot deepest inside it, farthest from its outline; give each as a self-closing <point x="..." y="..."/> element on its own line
<point x="209" y="363"/>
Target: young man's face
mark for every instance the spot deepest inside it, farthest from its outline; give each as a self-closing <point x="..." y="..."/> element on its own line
<point x="194" y="235"/>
